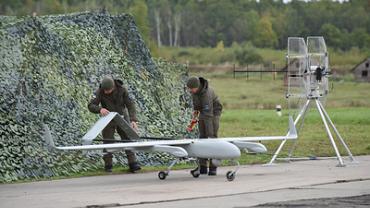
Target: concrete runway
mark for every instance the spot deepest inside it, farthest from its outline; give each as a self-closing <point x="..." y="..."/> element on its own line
<point x="253" y="185"/>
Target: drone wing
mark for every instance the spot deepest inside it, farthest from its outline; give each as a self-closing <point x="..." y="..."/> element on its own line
<point x="250" y="143"/>
<point x="168" y="146"/>
<point x="94" y="131"/>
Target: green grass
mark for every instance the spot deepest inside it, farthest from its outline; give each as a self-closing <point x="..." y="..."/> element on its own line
<point x="250" y="111"/>
<point x="352" y="123"/>
<point x="345" y="61"/>
<point x="266" y="94"/>
<point x="341" y="61"/>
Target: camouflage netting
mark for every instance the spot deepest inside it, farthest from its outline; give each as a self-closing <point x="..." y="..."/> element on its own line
<point x="50" y="67"/>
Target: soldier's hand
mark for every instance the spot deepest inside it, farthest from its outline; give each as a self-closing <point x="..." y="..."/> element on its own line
<point x="104" y="112"/>
<point x="134" y="125"/>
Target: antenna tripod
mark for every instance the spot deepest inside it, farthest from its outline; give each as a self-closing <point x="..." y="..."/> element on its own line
<point x="326" y="119"/>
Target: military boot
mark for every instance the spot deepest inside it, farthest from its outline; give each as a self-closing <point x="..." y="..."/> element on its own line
<point x="203" y="166"/>
<point x="202" y="170"/>
<point x="212" y="171"/>
<point x="108" y="168"/>
<point x="108" y="162"/>
<point x="134" y="167"/>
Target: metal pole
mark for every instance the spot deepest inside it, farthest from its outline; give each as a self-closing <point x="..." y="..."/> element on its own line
<point x="301" y="125"/>
<point x="304" y="109"/>
<point x="341" y="164"/>
<point x="277" y="152"/>
<point x="337" y="133"/>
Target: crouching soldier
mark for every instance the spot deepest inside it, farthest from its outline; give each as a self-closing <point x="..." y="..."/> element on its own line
<point x="113" y="96"/>
<point x="206" y="102"/>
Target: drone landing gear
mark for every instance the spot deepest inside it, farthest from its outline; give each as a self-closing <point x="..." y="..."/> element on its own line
<point x="196" y="172"/>
<point x="230" y="175"/>
<point x="163" y="174"/>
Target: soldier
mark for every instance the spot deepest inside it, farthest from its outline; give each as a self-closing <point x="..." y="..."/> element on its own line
<point x="206" y="102"/>
<point x="113" y="96"/>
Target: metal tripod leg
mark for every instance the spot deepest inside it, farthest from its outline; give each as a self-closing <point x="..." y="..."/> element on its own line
<point x="341" y="164"/>
<point x="337" y="133"/>
<point x="299" y="129"/>
<point x="302" y="113"/>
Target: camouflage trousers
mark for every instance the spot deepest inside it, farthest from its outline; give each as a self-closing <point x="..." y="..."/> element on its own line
<point x="208" y="128"/>
<point x="108" y="133"/>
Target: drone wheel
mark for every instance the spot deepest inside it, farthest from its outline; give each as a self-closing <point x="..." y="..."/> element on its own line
<point x="195" y="174"/>
<point x="162" y="175"/>
<point x="230" y="175"/>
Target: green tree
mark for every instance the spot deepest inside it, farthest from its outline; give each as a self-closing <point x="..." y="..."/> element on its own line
<point x="247" y="54"/>
<point x="361" y="38"/>
<point x="332" y="35"/>
<point x="265" y="35"/>
<point x="139" y="11"/>
<point x="244" y="27"/>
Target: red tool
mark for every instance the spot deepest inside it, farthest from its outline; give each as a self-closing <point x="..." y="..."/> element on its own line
<point x="193" y="122"/>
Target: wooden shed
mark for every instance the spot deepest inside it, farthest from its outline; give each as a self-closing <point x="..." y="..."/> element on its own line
<point x="362" y="71"/>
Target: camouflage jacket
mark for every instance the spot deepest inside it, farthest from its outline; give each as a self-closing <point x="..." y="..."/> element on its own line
<point x="206" y="101"/>
<point x="118" y="101"/>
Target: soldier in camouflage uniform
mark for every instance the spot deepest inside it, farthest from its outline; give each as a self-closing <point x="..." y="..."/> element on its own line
<point x="207" y="103"/>
<point x="113" y="96"/>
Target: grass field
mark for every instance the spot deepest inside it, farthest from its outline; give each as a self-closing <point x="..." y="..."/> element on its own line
<point x="341" y="61"/>
<point x="250" y="111"/>
<point x="267" y="93"/>
<point x="352" y="123"/>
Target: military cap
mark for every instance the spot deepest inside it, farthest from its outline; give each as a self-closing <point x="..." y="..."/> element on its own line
<point x="193" y="82"/>
<point x="107" y="83"/>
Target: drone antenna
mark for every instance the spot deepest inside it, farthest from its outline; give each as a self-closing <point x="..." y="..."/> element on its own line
<point x="307" y="77"/>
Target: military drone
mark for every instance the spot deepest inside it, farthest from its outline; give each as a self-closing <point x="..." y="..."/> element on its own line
<point x="215" y="149"/>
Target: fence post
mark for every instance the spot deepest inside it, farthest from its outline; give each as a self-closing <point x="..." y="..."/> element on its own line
<point x="247" y="72"/>
<point x="234" y="71"/>
<point x="261" y="72"/>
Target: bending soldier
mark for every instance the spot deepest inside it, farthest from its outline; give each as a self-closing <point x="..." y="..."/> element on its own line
<point x="113" y="96"/>
<point x="207" y="103"/>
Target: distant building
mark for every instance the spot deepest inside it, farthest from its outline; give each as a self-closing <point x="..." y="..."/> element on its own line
<point x="362" y="71"/>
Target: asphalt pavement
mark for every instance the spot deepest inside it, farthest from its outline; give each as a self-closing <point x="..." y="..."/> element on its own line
<point x="279" y="185"/>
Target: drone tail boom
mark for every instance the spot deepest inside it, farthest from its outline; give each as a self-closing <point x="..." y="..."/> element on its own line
<point x="47" y="136"/>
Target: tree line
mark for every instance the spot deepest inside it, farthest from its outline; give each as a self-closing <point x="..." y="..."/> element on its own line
<point x="205" y="23"/>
